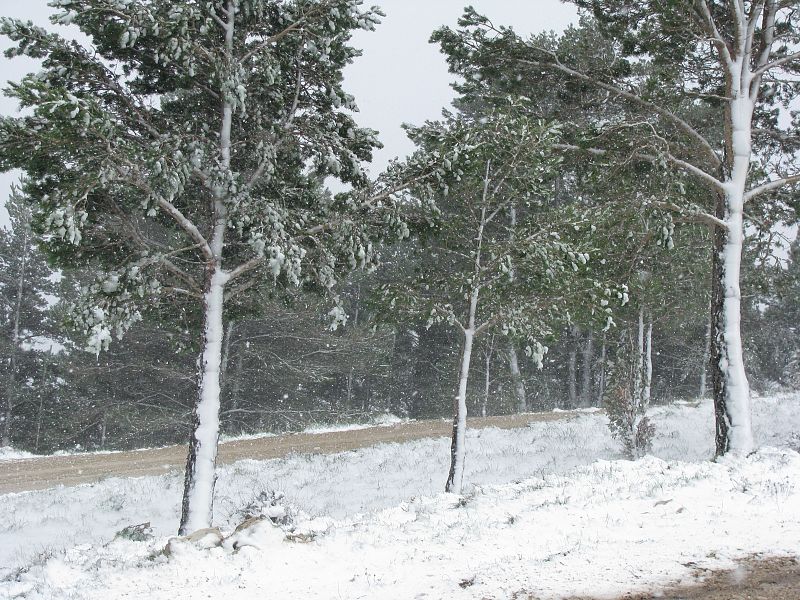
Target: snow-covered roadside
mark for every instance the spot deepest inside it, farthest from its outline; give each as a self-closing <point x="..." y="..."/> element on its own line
<point x="517" y="533"/>
<point x="9" y="453"/>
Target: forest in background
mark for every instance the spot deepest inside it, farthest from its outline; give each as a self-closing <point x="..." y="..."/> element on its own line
<point x="284" y="370"/>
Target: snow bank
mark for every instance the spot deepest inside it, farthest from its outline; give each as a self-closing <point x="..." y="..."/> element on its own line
<point x="540" y="514"/>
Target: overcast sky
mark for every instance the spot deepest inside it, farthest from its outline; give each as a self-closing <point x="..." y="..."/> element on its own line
<point x="401" y="78"/>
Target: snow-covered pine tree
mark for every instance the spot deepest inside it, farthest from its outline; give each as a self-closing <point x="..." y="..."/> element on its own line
<point x="486" y="280"/>
<point x="25" y="284"/>
<point x="699" y="86"/>
<point x="184" y="153"/>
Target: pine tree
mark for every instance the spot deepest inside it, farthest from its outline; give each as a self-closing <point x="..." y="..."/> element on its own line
<point x="696" y="86"/>
<point x="184" y="152"/>
<point x="487" y="277"/>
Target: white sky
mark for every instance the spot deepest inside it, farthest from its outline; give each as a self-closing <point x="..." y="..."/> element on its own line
<point x="401" y="78"/>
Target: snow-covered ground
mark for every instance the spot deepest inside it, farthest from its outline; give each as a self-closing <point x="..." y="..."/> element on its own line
<point x="8" y="453"/>
<point x="548" y="510"/>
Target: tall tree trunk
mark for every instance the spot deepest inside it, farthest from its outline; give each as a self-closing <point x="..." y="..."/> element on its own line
<point x="638" y="382"/>
<point x="198" y="489"/>
<point x="648" y="365"/>
<point x="601" y="384"/>
<point x="11" y="380"/>
<point x="349" y="399"/>
<point x="201" y="463"/>
<point x="237" y="380"/>
<point x="103" y="429"/>
<point x="572" y="373"/>
<point x="586" y="371"/>
<point x="516" y="377"/>
<point x="457" y="446"/>
<point x="706" y="357"/>
<point x="487" y="381"/>
<point x="731" y="389"/>
<point x="226" y="353"/>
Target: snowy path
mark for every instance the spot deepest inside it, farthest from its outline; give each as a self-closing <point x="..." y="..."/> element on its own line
<point x="28" y="474"/>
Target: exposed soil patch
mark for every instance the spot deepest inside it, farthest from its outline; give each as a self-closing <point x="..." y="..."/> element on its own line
<point x="44" y="472"/>
<point x="753" y="579"/>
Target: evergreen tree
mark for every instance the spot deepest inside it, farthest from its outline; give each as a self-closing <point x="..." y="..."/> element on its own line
<point x="698" y="85"/>
<point x="183" y="153"/>
<point x="494" y="274"/>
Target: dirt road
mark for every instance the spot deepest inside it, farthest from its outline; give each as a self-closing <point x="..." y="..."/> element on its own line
<point x="44" y="472"/>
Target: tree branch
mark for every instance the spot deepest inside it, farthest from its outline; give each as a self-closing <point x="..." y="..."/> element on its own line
<point x="669" y="115"/>
<point x="771" y="186"/>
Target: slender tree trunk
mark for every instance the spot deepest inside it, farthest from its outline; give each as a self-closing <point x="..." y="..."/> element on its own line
<point x="601" y="384"/>
<point x="103" y="428"/>
<point x="706" y="357"/>
<point x="457" y="447"/>
<point x="39" y="414"/>
<point x="349" y="399"/>
<point x="11" y="381"/>
<point x="638" y="382"/>
<point x="226" y="353"/>
<point x="648" y="365"/>
<point x="198" y="491"/>
<point x="516" y="377"/>
<point x="237" y="381"/>
<point x="573" y="374"/>
<point x="201" y="463"/>
<point x="586" y="371"/>
<point x="487" y="381"/>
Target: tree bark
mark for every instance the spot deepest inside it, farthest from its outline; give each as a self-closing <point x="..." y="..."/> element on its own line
<point x="732" y="410"/>
<point x="516" y="377"/>
<point x="601" y="384"/>
<point x="586" y="371"/>
<point x="201" y="463"/>
<point x="706" y="357"/>
<point x="638" y="382"/>
<point x="572" y="374"/>
<point x="457" y="446"/>
<point x="11" y="381"/>
<point x="648" y="365"/>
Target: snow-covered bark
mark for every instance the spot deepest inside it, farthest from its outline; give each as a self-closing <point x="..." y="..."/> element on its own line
<point x="201" y="462"/>
<point x="732" y="390"/>
<point x="455" y="478"/>
<point x="198" y="493"/>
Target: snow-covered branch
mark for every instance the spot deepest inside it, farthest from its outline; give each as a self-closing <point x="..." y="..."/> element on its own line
<point x="246" y="267"/>
<point x="777" y="63"/>
<point x="771" y="186"/>
<point x="712" y="30"/>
